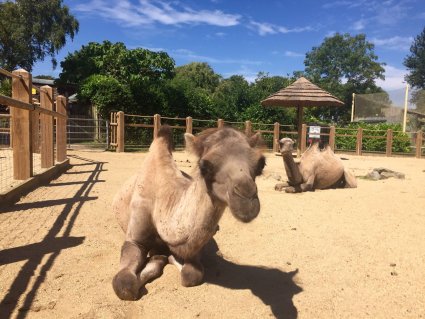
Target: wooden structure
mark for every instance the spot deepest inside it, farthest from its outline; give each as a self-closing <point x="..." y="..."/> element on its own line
<point x="302" y="93"/>
<point x="31" y="127"/>
<point x="118" y="128"/>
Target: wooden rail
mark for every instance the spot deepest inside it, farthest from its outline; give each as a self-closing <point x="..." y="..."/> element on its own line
<point x="31" y="125"/>
<point x="277" y="131"/>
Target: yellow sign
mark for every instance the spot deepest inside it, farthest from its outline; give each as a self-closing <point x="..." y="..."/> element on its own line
<point x="34" y="91"/>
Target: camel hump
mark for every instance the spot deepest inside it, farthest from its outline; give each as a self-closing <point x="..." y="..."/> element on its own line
<point x="166" y="133"/>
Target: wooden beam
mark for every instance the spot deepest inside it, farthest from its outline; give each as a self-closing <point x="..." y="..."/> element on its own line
<point x="46" y="128"/>
<point x="61" y="103"/>
<point x="21" y="126"/>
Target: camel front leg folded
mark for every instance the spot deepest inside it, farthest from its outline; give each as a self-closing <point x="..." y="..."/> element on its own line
<point x="126" y="283"/>
<point x="191" y="271"/>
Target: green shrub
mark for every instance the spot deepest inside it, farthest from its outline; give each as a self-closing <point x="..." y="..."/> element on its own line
<point x="401" y="141"/>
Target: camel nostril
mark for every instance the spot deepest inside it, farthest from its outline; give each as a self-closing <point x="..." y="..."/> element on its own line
<point x="246" y="191"/>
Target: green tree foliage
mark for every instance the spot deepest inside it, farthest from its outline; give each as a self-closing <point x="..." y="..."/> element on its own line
<point x="343" y="65"/>
<point x="32" y="30"/>
<point x="191" y="90"/>
<point x="106" y="93"/>
<point x="140" y="73"/>
<point x="264" y="86"/>
<point x="415" y="62"/>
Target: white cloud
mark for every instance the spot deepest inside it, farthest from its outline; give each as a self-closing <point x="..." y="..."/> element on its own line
<point x="394" y="78"/>
<point x="394" y="43"/>
<point x="148" y="12"/>
<point x="359" y="25"/>
<point x="293" y="54"/>
<point x="268" y="28"/>
<point x="191" y="56"/>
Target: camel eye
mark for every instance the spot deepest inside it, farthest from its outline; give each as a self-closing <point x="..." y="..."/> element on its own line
<point x="260" y="166"/>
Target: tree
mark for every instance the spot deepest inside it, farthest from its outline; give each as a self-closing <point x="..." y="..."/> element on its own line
<point x="32" y="30"/>
<point x="139" y="73"/>
<point x="199" y="74"/>
<point x="343" y="65"/>
<point x="105" y="93"/>
<point x="415" y="62"/>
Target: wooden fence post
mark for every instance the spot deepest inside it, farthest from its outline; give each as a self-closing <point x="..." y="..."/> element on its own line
<point x="389" y="147"/>
<point x="61" y="129"/>
<point x="46" y="128"/>
<point x="189" y="125"/>
<point x="276" y="136"/>
<point x="248" y="128"/>
<point x="419" y="141"/>
<point x="156" y="125"/>
<point x="120" y="132"/>
<point x="220" y="123"/>
<point x="303" y="145"/>
<point x="21" y="126"/>
<point x="332" y="138"/>
<point x="359" y="141"/>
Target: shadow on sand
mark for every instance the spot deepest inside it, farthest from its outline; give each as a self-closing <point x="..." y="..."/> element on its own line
<point x="274" y="287"/>
<point x="50" y="244"/>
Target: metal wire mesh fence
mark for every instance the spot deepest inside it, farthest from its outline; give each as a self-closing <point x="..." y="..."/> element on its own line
<point x="86" y="132"/>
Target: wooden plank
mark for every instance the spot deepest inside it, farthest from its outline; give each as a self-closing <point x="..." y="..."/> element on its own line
<point x="61" y="105"/>
<point x="189" y="125"/>
<point x="120" y="131"/>
<point x="26" y="106"/>
<point x="359" y="141"/>
<point x="419" y="141"/>
<point x="332" y="138"/>
<point x="276" y="136"/>
<point x="21" y="126"/>
<point x="389" y="146"/>
<point x="46" y="128"/>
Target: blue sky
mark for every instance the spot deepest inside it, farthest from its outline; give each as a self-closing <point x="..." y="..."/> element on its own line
<point x="246" y="37"/>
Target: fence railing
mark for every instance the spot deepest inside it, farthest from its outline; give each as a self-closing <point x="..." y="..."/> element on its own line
<point x="33" y="127"/>
<point x="123" y="135"/>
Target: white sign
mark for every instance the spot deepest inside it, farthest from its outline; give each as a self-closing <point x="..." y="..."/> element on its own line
<point x="314" y="132"/>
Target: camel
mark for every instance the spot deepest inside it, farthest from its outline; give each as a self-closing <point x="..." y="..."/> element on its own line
<point x="317" y="169"/>
<point x="169" y="216"/>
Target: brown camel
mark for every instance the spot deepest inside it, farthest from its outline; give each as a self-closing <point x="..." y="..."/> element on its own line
<point x="317" y="169"/>
<point x="169" y="215"/>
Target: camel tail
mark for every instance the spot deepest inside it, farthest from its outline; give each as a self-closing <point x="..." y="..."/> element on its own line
<point x="166" y="133"/>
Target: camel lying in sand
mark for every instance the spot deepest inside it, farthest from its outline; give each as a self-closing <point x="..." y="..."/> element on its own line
<point x="164" y="211"/>
<point x="317" y="169"/>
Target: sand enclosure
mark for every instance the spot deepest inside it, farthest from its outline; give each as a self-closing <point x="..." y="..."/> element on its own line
<point x="345" y="253"/>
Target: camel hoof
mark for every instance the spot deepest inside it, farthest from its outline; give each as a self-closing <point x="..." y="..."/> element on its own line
<point x="290" y="189"/>
<point x="280" y="187"/>
<point x="126" y="285"/>
<point x="191" y="275"/>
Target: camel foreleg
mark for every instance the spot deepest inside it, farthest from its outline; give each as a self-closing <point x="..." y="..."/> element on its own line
<point x="191" y="271"/>
<point x="126" y="283"/>
<point x="350" y="179"/>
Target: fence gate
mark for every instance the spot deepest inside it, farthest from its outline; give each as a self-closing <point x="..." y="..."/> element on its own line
<point x="85" y="132"/>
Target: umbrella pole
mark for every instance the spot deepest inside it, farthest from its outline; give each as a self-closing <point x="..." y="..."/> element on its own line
<point x="300" y="114"/>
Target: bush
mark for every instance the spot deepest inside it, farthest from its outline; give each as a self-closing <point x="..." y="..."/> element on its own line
<point x="401" y="141"/>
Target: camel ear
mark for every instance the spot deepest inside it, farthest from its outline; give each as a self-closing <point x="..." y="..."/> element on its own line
<point x="190" y="140"/>
<point x="256" y="140"/>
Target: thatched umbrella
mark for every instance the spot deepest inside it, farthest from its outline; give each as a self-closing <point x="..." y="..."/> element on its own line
<point x="302" y="93"/>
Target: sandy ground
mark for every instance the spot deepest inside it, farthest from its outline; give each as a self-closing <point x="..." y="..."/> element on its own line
<point x="345" y="253"/>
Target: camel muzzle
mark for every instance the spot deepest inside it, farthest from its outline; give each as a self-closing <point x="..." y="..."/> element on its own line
<point x="244" y="202"/>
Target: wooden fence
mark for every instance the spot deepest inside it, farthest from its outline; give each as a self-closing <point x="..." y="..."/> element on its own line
<point x="32" y="124"/>
<point x="276" y="131"/>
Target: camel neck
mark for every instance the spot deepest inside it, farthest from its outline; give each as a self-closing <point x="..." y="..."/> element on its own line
<point x="292" y="169"/>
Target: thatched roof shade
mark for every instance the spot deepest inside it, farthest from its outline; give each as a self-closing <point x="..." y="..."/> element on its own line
<point x="301" y="93"/>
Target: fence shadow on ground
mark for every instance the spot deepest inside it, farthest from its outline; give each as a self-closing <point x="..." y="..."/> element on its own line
<point x="50" y="244"/>
<point x="274" y="287"/>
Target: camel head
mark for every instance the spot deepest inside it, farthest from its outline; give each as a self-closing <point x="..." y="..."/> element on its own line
<point x="229" y="162"/>
<point x="286" y="145"/>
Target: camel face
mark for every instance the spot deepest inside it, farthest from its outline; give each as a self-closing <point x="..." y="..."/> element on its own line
<point x="229" y="164"/>
<point x="286" y="145"/>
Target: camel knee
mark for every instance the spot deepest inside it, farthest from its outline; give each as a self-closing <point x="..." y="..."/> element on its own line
<point x="192" y="274"/>
<point x="153" y="269"/>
